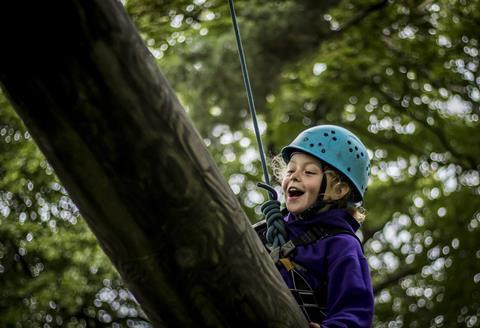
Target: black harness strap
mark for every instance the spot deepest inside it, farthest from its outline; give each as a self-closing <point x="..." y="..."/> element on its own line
<point x="319" y="233"/>
<point x="307" y="298"/>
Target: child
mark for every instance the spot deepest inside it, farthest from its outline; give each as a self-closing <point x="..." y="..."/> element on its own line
<point x="323" y="262"/>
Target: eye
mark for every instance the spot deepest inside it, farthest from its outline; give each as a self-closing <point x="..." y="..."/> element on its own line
<point x="310" y="172"/>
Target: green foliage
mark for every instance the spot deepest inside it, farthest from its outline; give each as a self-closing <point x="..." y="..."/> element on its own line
<point x="403" y="75"/>
<point x="52" y="271"/>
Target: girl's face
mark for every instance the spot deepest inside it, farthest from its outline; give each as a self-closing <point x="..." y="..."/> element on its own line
<point x="301" y="183"/>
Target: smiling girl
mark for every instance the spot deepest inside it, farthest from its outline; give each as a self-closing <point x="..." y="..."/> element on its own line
<point x="324" y="178"/>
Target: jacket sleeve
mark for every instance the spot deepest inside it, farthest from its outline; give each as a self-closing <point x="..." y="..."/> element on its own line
<point x="350" y="301"/>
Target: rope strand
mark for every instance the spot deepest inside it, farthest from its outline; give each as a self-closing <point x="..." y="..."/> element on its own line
<point x="276" y="234"/>
<point x="248" y="89"/>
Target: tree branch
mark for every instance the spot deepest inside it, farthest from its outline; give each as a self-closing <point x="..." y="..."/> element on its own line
<point x="362" y="15"/>
<point x="463" y="160"/>
<point x="20" y="258"/>
<point x="393" y="279"/>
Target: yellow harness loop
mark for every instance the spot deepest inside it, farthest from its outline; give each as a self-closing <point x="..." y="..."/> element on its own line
<point x="287" y="264"/>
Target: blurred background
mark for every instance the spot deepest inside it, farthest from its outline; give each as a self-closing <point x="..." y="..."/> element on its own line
<point x="402" y="75"/>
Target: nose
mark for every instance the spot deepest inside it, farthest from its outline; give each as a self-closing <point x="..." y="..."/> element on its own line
<point x="295" y="176"/>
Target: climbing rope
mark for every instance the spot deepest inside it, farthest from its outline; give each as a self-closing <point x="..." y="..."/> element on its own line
<point x="276" y="234"/>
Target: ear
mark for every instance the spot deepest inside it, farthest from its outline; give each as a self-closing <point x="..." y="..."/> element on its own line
<point x="340" y="190"/>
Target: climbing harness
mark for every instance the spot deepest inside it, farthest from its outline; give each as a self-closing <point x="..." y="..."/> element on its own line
<point x="312" y="302"/>
<point x="277" y="234"/>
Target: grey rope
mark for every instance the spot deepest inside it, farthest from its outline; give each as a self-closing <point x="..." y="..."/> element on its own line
<point x="275" y="224"/>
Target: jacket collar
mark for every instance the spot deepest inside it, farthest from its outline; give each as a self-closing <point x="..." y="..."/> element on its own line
<point x="334" y="218"/>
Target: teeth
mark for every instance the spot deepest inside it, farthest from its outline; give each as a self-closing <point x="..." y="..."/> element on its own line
<point x="293" y="191"/>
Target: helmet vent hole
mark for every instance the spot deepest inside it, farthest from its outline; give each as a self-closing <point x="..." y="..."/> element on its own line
<point x="333" y="132"/>
<point x="305" y="139"/>
<point x="311" y="145"/>
<point x="361" y="154"/>
<point x="325" y="134"/>
<point x="350" y="149"/>
<point x="356" y="148"/>
<point x="349" y="169"/>
<point x="334" y="138"/>
<point x="349" y="142"/>
<point x="319" y="143"/>
<point x="323" y="150"/>
<point x="358" y="156"/>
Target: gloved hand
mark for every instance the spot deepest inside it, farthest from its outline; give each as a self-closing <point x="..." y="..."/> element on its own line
<point x="276" y="233"/>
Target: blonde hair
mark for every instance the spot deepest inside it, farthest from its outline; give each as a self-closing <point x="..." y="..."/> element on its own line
<point x="279" y="169"/>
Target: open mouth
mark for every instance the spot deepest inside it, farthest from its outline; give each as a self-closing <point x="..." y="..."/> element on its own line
<point x="294" y="192"/>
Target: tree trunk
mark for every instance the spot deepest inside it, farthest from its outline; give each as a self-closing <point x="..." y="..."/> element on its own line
<point x="92" y="97"/>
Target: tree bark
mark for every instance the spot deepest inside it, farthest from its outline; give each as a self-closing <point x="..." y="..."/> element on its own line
<point x="91" y="95"/>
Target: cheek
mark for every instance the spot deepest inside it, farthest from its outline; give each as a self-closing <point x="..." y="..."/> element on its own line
<point x="315" y="186"/>
<point x="284" y="184"/>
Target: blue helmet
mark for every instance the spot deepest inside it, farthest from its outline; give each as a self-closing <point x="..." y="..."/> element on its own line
<point x="337" y="147"/>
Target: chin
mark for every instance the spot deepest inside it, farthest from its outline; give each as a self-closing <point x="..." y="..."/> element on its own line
<point x="295" y="210"/>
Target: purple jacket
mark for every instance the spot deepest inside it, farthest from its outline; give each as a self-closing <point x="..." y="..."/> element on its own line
<point x="340" y="260"/>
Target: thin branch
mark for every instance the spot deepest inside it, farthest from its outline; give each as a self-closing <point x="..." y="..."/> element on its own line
<point x="369" y="233"/>
<point x="20" y="258"/>
<point x="412" y="62"/>
<point x="362" y="15"/>
<point x="355" y="19"/>
<point x="393" y="279"/>
<point x="465" y="161"/>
